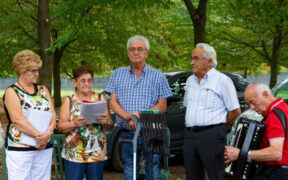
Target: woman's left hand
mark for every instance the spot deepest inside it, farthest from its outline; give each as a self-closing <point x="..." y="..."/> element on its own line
<point x="103" y="120"/>
<point x="43" y="139"/>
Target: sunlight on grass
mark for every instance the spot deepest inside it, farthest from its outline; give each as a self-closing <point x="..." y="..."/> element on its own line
<point x="63" y="92"/>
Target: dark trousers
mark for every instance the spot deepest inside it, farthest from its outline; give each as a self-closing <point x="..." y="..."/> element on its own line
<point x="204" y="150"/>
<point x="272" y="173"/>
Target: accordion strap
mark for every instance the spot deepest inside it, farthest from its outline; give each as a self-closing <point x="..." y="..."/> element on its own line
<point x="282" y="117"/>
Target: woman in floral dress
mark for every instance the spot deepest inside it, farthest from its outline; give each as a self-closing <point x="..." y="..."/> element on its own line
<point x="84" y="148"/>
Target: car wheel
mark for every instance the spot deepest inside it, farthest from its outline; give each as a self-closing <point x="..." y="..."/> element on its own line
<point x="116" y="161"/>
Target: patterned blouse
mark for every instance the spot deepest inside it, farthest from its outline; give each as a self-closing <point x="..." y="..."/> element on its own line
<point x="37" y="101"/>
<point x="86" y="144"/>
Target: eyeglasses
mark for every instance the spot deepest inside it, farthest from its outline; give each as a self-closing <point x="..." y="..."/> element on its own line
<point x="33" y="71"/>
<point x="84" y="81"/>
<point x="196" y="59"/>
<point x="139" y="49"/>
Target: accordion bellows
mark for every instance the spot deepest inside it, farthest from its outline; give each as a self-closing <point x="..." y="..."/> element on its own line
<point x="248" y="136"/>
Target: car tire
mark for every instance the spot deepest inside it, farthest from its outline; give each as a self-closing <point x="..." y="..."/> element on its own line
<point x="116" y="161"/>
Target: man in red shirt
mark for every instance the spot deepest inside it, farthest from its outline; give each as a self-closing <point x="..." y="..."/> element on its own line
<point x="273" y="151"/>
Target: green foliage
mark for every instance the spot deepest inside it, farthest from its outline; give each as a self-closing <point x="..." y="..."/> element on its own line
<point x="15" y="22"/>
<point x="96" y="31"/>
<point x="244" y="32"/>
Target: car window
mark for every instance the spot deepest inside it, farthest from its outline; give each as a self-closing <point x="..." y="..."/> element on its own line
<point x="177" y="83"/>
<point x="239" y="82"/>
<point x="283" y="92"/>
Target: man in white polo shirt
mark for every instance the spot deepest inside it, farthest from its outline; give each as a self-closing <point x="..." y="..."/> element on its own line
<point x="212" y="105"/>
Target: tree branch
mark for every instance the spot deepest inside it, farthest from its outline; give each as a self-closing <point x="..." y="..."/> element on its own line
<point x="31" y="3"/>
<point x="27" y="34"/>
<point x="24" y="14"/>
<point x="233" y="39"/>
<point x="191" y="9"/>
<point x="264" y="47"/>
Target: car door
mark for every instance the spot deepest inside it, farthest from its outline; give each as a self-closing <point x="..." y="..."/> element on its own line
<point x="175" y="115"/>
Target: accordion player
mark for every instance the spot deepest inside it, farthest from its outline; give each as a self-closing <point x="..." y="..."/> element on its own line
<point x="247" y="136"/>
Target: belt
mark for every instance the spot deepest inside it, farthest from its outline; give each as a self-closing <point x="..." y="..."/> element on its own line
<point x="284" y="167"/>
<point x="201" y="128"/>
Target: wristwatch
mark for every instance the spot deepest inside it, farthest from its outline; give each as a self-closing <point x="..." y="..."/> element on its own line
<point x="249" y="157"/>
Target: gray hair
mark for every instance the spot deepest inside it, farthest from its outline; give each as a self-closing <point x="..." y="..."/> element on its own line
<point x="209" y="53"/>
<point x="138" y="38"/>
<point x="260" y="88"/>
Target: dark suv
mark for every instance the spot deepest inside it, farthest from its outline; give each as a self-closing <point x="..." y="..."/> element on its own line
<point x="175" y="115"/>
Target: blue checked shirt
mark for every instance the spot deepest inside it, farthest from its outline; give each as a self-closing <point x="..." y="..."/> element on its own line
<point x="135" y="95"/>
<point x="209" y="102"/>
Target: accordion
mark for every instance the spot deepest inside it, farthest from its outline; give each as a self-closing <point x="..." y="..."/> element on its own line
<point x="248" y="136"/>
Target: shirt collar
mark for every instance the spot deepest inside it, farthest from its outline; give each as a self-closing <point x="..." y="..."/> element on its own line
<point x="272" y="106"/>
<point x="146" y="68"/>
<point x="210" y="73"/>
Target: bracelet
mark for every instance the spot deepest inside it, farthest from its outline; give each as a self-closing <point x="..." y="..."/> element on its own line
<point x="249" y="157"/>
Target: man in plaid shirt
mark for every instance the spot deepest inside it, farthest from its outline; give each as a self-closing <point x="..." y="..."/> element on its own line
<point x="135" y="88"/>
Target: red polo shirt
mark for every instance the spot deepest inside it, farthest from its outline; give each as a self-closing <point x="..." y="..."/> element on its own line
<point x="274" y="129"/>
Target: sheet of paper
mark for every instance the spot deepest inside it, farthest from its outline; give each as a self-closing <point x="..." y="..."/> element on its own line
<point x="40" y="120"/>
<point x="92" y="110"/>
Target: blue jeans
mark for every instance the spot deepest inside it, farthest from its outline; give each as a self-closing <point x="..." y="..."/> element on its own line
<point x="127" y="156"/>
<point x="76" y="171"/>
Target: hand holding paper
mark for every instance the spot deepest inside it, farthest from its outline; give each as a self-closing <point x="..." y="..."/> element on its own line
<point x="40" y="120"/>
<point x="103" y="119"/>
<point x="79" y="121"/>
<point x="92" y="110"/>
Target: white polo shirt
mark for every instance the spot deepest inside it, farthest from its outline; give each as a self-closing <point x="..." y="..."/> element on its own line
<point x="209" y="102"/>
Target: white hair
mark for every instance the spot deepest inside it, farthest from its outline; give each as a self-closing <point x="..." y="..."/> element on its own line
<point x="260" y="88"/>
<point x="209" y="53"/>
<point x="138" y="38"/>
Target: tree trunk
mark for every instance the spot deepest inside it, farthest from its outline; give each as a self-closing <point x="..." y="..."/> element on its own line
<point x="275" y="56"/>
<point x="44" y="37"/>
<point x="56" y="70"/>
<point x="56" y="77"/>
<point x="198" y="17"/>
<point x="274" y="74"/>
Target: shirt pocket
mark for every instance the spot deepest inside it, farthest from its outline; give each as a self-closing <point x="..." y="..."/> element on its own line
<point x="208" y="99"/>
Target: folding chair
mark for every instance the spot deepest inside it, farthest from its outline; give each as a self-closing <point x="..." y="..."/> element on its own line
<point x="58" y="140"/>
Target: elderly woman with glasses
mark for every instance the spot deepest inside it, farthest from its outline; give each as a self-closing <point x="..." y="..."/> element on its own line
<point x="28" y="161"/>
<point x="84" y="148"/>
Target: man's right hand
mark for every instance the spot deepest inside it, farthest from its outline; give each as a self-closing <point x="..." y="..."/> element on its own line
<point x="133" y="124"/>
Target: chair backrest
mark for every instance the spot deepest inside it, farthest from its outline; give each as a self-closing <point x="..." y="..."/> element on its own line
<point x="4" y="163"/>
<point x="58" y="140"/>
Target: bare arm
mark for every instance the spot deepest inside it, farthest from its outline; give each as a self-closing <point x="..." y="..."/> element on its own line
<point x="64" y="125"/>
<point x="161" y="105"/>
<point x="115" y="106"/>
<point x="272" y="153"/>
<point x="44" y="138"/>
<point x="13" y="105"/>
<point x="232" y="115"/>
<point x="52" y="124"/>
<point x="106" y="118"/>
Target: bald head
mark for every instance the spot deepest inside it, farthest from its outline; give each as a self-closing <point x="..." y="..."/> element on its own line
<point x="259" y="97"/>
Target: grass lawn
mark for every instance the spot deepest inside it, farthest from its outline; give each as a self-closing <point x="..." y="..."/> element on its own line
<point x="63" y="92"/>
